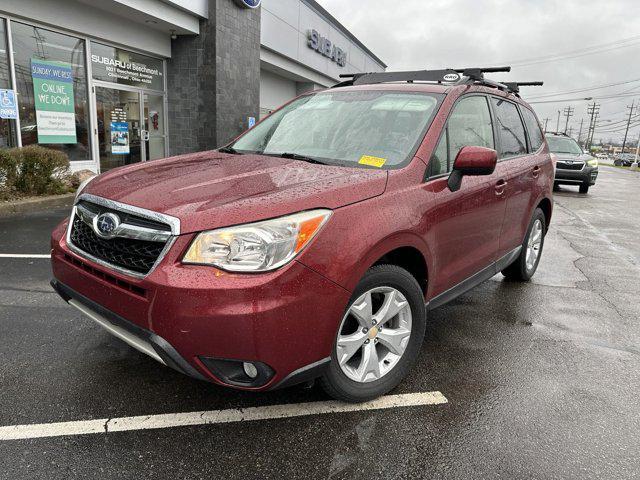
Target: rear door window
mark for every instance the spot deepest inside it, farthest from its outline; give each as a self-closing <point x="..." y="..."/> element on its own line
<point x="468" y="125"/>
<point x="533" y="128"/>
<point x="513" y="140"/>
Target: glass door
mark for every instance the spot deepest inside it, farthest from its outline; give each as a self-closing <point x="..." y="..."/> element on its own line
<point x="154" y="128"/>
<point x="119" y="128"/>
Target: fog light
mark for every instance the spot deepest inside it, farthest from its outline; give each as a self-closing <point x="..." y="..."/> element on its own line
<point x="250" y="369"/>
<point x="241" y="373"/>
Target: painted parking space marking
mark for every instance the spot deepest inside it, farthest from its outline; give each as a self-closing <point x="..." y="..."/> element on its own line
<point x="24" y="255"/>
<point x="252" y="414"/>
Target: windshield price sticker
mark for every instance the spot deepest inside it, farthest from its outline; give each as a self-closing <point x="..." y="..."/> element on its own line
<point x="372" y="161"/>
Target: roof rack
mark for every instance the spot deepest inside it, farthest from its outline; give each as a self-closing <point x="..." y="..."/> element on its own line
<point x="515" y="86"/>
<point x="456" y="76"/>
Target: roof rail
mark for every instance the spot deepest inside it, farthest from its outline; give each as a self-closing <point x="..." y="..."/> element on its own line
<point x="455" y="76"/>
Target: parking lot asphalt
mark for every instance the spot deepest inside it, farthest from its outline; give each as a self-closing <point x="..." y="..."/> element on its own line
<point x="541" y="379"/>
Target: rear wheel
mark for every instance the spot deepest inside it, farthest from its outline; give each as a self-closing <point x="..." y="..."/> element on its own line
<point x="584" y="188"/>
<point x="523" y="268"/>
<point x="379" y="337"/>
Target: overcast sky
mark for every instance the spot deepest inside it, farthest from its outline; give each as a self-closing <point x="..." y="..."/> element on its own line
<point x="419" y="34"/>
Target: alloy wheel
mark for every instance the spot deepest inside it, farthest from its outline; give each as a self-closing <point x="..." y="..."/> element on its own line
<point x="374" y="334"/>
<point x="534" y="244"/>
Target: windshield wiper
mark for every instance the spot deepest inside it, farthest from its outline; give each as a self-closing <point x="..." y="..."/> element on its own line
<point x="296" y="156"/>
<point x="230" y="150"/>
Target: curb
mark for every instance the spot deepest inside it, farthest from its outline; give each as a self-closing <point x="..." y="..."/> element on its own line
<point x="8" y="209"/>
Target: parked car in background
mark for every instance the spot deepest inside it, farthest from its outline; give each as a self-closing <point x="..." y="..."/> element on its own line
<point x="624" y="160"/>
<point x="299" y="251"/>
<point x="573" y="166"/>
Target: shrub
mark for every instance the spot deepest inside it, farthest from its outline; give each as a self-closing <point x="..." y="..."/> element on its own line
<point x="41" y="170"/>
<point x="8" y="173"/>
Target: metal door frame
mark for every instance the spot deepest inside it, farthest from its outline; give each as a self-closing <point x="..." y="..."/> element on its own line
<point x="126" y="88"/>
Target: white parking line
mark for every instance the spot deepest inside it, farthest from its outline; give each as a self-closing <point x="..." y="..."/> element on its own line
<point x="24" y="255"/>
<point x="169" y="420"/>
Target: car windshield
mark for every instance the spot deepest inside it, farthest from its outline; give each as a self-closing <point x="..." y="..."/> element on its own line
<point x="370" y="128"/>
<point x="564" y="145"/>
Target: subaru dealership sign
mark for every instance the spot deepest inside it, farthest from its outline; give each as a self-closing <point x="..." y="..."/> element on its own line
<point x="249" y="3"/>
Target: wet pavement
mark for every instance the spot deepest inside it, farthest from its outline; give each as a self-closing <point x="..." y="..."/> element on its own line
<point x="541" y="379"/>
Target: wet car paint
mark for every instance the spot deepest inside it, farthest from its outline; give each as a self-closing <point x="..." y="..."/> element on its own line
<point x="375" y="212"/>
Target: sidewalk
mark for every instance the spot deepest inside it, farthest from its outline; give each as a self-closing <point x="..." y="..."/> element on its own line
<point x="33" y="204"/>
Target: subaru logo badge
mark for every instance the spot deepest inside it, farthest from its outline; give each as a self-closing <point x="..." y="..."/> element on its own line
<point x="249" y="3"/>
<point x="106" y="225"/>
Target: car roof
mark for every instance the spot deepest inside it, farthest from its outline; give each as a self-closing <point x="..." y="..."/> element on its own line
<point x="429" y="88"/>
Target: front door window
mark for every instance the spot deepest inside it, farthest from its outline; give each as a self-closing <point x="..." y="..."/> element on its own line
<point x="119" y="127"/>
<point x="154" y="126"/>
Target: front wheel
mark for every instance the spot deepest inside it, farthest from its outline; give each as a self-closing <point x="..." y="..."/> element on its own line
<point x="584" y="188"/>
<point x="379" y="336"/>
<point x="523" y="268"/>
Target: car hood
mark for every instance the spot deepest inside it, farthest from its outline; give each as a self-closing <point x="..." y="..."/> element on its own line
<point x="210" y="189"/>
<point x="583" y="157"/>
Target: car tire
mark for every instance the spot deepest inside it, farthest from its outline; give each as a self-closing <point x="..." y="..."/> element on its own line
<point x="363" y="375"/>
<point x="584" y="188"/>
<point x="556" y="187"/>
<point x="522" y="269"/>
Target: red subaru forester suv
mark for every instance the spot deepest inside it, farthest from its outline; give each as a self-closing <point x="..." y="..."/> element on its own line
<point x="314" y="245"/>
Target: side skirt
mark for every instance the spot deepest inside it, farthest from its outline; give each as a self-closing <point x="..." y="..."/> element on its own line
<point x="474" y="280"/>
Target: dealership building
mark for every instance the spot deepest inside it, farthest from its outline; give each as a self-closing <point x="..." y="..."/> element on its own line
<point x="114" y="82"/>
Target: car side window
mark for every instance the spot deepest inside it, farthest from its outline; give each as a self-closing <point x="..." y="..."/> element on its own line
<point x="513" y="140"/>
<point x="468" y="125"/>
<point x="533" y="128"/>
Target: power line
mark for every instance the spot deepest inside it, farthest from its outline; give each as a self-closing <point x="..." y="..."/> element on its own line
<point x="585" y="89"/>
<point x="566" y="56"/>
<point x="580" y="99"/>
<point x="578" y="51"/>
<point x="605" y="125"/>
<point x="619" y="129"/>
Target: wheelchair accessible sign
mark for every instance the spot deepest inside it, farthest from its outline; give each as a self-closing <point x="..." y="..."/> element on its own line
<point x="8" y="104"/>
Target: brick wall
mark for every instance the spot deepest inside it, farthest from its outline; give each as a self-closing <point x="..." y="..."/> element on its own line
<point x="213" y="79"/>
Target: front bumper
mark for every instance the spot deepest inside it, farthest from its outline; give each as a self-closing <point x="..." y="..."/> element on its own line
<point x="182" y="314"/>
<point x="587" y="175"/>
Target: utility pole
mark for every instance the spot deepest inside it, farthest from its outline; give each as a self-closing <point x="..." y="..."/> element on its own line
<point x="593" y="110"/>
<point x="626" y="132"/>
<point x="558" y="122"/>
<point x="570" y="131"/>
<point x="546" y="122"/>
<point x="568" y="112"/>
<point x="580" y="132"/>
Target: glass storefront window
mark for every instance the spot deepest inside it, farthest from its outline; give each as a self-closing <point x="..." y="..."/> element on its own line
<point x="115" y="65"/>
<point x="53" y="98"/>
<point x="7" y="127"/>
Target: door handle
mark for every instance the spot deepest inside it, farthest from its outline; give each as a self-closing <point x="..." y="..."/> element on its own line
<point x="536" y="171"/>
<point x="500" y="187"/>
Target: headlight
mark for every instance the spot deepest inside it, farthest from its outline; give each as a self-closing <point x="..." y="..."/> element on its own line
<point x="257" y="247"/>
<point x="83" y="185"/>
<point x="593" y="162"/>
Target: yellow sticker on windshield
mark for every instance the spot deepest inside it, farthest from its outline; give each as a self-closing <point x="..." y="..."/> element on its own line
<point x="372" y="161"/>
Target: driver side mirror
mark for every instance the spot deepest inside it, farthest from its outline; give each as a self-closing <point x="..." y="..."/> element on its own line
<point x="472" y="161"/>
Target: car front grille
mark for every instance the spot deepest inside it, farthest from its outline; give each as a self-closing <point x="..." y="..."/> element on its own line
<point x="570" y="166"/>
<point x="134" y="250"/>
